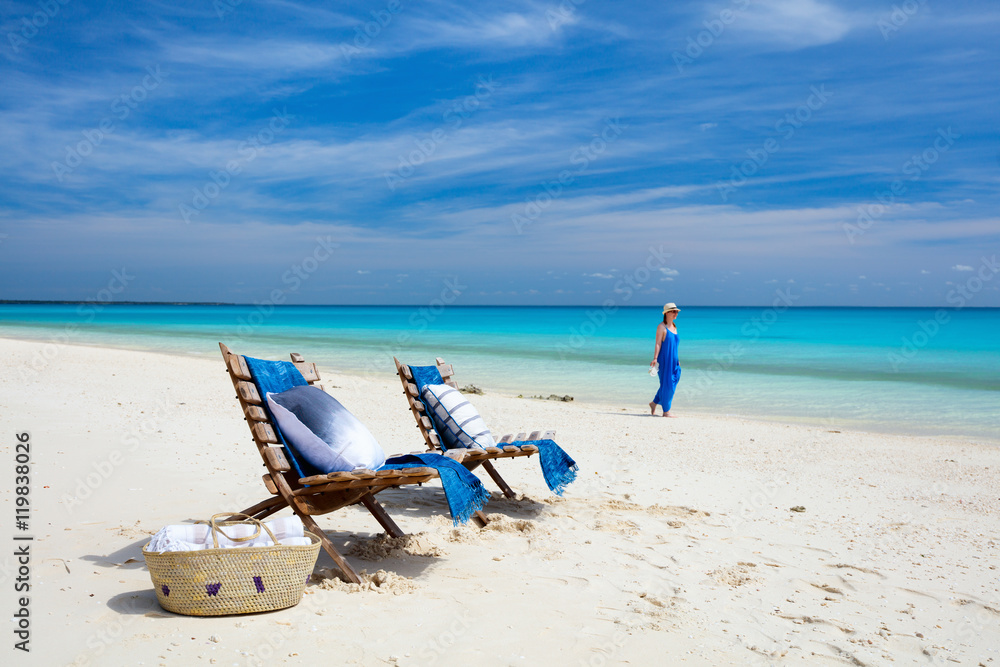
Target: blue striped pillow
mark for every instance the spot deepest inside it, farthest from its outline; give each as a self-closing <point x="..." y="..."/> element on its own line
<point x="456" y="420"/>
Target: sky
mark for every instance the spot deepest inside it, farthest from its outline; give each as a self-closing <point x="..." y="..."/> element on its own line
<point x="571" y="152"/>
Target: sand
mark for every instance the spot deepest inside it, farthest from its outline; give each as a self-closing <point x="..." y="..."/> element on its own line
<point x="678" y="543"/>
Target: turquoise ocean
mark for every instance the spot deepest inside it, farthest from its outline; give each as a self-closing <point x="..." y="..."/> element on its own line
<point x="902" y="370"/>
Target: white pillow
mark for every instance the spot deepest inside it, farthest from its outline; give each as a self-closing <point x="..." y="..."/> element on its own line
<point x="323" y="431"/>
<point x="456" y="420"/>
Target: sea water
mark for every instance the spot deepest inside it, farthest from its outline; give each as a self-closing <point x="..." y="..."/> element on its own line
<point x="908" y="370"/>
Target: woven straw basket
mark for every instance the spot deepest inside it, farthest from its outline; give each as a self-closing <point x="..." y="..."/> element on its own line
<point x="214" y="582"/>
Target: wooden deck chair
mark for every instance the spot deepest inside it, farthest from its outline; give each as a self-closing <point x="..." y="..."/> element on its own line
<point x="319" y="494"/>
<point x="471" y="458"/>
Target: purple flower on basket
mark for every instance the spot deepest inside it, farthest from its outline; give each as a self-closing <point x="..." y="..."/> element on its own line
<point x="166" y="590"/>
<point x="213" y="589"/>
<point x="259" y="584"/>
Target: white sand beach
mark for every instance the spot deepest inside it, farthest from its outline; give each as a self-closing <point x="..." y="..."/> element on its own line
<point x="676" y="545"/>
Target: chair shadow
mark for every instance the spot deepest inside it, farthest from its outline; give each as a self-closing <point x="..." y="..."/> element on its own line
<point x="140" y="602"/>
<point x="631" y="414"/>
<point x="128" y="557"/>
<point x="429" y="501"/>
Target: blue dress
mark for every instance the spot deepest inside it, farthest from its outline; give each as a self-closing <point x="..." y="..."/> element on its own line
<point x="670" y="371"/>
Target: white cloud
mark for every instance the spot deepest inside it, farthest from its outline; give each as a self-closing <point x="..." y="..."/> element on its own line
<point x="961" y="267"/>
<point x="924" y="272"/>
<point x="361" y="273"/>
<point x="669" y="272"/>
<point x="598" y="275"/>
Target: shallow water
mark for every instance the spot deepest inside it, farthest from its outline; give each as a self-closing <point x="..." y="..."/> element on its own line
<point x="927" y="371"/>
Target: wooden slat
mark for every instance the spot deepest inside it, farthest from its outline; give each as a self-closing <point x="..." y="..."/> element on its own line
<point x="308" y="370"/>
<point x="256" y="413"/>
<point x="549" y="435"/>
<point x="407" y="373"/>
<point x="248" y="392"/>
<point x="519" y="436"/>
<point x="239" y="368"/>
<point x="425" y="422"/>
<point x="435" y="441"/>
<point x="416" y="405"/>
<point x="510" y="448"/>
<point x="447" y="370"/>
<point x="534" y="435"/>
<point x="340" y="475"/>
<point x="451" y="384"/>
<point x="315" y="480"/>
<point x="533" y="449"/>
<point x="269" y="483"/>
<point x="418" y="472"/>
<point x="264" y="433"/>
<point x="276" y="459"/>
<point x="492" y="450"/>
<point x="457" y="454"/>
<point x="438" y="360"/>
<point x="412" y="390"/>
<point x="506" y="438"/>
<point x="296" y="357"/>
<point x="363" y="473"/>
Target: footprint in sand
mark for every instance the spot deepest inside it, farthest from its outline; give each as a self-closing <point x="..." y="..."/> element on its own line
<point x="740" y="574"/>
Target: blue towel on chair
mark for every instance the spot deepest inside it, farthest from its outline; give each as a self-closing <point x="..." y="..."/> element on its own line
<point x="274" y="376"/>
<point x="558" y="467"/>
<point x="465" y="493"/>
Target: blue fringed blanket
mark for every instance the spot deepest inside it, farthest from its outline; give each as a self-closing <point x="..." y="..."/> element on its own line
<point x="465" y="493"/>
<point x="558" y="467"/>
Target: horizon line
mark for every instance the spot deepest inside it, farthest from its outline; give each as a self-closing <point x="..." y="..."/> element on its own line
<point x="418" y="305"/>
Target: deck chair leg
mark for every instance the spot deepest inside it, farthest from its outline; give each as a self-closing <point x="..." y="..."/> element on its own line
<point x="507" y="491"/>
<point x="264" y="508"/>
<point x="341" y="562"/>
<point x="383" y="518"/>
<point x="480" y="519"/>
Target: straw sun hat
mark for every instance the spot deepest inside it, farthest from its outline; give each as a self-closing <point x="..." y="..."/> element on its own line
<point x="670" y="306"/>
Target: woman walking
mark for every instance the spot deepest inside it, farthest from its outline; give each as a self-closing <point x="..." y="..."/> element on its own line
<point x="666" y="356"/>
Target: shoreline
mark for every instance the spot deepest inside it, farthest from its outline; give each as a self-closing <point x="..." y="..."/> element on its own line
<point x="789" y="420"/>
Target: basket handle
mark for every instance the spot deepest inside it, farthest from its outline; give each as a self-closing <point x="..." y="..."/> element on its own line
<point x="214" y="524"/>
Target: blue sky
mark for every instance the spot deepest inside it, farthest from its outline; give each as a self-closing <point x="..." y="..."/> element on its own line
<point x="518" y="153"/>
